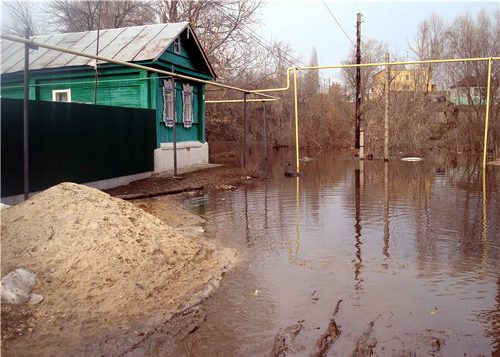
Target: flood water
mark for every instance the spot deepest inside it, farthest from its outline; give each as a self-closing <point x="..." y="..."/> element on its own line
<point x="412" y="248"/>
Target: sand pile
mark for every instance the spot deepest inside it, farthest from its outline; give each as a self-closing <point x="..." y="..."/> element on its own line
<point x="101" y="263"/>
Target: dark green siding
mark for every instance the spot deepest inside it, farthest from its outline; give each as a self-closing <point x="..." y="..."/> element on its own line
<point x="74" y="142"/>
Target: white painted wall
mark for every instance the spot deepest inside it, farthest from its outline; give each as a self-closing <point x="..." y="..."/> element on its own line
<point x="189" y="153"/>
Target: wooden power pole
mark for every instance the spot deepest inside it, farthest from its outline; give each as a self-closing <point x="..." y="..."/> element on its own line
<point x="358" y="83"/>
<point x="386" y="119"/>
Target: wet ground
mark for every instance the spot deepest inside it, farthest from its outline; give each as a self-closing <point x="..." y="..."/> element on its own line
<point x="356" y="259"/>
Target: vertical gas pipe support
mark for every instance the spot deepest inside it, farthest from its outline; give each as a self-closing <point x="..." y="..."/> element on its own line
<point x="386" y="119"/>
<point x="488" y="90"/>
<point x="26" y="118"/>
<point x="245" y="129"/>
<point x="296" y="117"/>
<point x="265" y="138"/>
<point x="174" y="132"/>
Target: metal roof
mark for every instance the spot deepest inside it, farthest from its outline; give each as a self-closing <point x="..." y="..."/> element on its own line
<point x="130" y="44"/>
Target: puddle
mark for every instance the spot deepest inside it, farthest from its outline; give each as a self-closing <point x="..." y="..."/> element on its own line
<point x="411" y="248"/>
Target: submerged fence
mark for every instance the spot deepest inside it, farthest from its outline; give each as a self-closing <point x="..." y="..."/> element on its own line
<point x="74" y="142"/>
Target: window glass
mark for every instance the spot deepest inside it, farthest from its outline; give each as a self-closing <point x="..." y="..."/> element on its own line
<point x="177" y="45"/>
<point x="168" y="103"/>
<point x="61" y="95"/>
<point x="187" y="105"/>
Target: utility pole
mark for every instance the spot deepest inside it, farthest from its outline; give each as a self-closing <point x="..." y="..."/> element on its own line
<point x="386" y="120"/>
<point x="358" y="83"/>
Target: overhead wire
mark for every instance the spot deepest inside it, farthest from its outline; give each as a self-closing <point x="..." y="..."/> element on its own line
<point x="266" y="44"/>
<point x="338" y="23"/>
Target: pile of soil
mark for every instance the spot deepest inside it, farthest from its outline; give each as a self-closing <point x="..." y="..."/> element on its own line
<point x="102" y="265"/>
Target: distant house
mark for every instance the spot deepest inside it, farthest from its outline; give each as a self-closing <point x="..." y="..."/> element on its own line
<point x="402" y="80"/>
<point x="58" y="76"/>
<point x="470" y="91"/>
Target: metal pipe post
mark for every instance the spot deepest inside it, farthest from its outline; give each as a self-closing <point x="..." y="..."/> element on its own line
<point x="245" y="129"/>
<point x="296" y="118"/>
<point x="174" y="136"/>
<point x="26" y="119"/>
<point x="265" y="139"/>
<point x="488" y="91"/>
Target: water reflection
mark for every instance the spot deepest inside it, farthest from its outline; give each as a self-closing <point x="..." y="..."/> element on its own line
<point x="358" y="261"/>
<point x="385" y="249"/>
<point x="485" y="224"/>
<point x="426" y="239"/>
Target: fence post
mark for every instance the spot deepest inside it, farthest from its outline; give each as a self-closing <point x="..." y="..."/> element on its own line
<point x="26" y="119"/>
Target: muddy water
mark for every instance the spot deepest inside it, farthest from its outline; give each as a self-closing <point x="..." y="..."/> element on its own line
<point x="411" y="248"/>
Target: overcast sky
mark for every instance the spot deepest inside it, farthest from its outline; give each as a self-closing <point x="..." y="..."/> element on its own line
<point x="308" y="24"/>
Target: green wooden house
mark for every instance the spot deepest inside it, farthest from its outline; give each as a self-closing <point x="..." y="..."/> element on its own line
<point x="58" y="76"/>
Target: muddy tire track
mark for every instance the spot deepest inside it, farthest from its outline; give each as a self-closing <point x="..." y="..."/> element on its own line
<point x="328" y="338"/>
<point x="285" y="340"/>
<point x="366" y="343"/>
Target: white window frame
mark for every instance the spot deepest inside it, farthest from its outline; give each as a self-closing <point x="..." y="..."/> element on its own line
<point x="187" y="105"/>
<point x="55" y="92"/>
<point x="177" y="45"/>
<point x="168" y="103"/>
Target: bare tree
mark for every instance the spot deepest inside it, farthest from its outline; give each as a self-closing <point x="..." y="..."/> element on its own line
<point x="75" y="16"/>
<point x="428" y="44"/>
<point x="312" y="76"/>
<point x="21" y="16"/>
<point x="372" y="51"/>
<point x="469" y="37"/>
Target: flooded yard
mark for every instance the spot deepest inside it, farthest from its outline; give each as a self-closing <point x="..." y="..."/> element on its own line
<point x="409" y="252"/>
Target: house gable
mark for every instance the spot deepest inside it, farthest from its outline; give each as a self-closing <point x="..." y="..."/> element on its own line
<point x="191" y="57"/>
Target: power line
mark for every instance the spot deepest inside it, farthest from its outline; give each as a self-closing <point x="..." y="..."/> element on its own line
<point x="266" y="44"/>
<point x="356" y="6"/>
<point x="331" y="13"/>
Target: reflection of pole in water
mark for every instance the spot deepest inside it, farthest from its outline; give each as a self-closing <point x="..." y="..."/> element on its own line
<point x="496" y="323"/>
<point x="385" y="250"/>
<point x="484" y="239"/>
<point x="265" y="206"/>
<point x="358" y="262"/>
<point x="297" y="245"/>
<point x="247" y="228"/>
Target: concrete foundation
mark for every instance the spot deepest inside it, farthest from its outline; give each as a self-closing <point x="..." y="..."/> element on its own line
<point x="189" y="153"/>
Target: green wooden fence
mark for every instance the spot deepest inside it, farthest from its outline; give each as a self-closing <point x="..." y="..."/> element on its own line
<point x="74" y="142"/>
